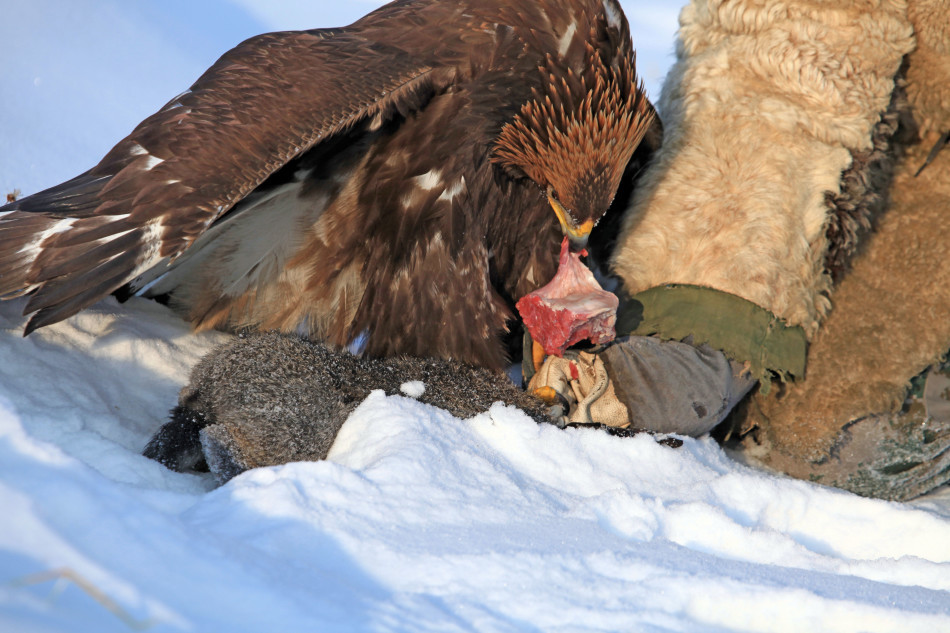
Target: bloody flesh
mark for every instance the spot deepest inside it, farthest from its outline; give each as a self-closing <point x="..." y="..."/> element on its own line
<point x="572" y="307"/>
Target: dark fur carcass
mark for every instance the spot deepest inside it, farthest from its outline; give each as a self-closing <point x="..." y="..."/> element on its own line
<point x="269" y="399"/>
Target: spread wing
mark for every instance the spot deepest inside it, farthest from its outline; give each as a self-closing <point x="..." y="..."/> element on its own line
<point x="156" y="191"/>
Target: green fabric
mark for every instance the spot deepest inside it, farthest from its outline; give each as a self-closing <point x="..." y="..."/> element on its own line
<point x="744" y="331"/>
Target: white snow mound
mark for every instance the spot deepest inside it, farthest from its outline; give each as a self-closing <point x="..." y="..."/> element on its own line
<point x="418" y="521"/>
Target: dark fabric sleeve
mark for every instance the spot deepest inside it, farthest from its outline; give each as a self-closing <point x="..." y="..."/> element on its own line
<point x="674" y="387"/>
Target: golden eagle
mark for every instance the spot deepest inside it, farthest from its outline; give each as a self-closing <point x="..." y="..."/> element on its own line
<point x="397" y="178"/>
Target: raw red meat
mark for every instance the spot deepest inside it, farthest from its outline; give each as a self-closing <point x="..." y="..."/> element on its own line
<point x="570" y="308"/>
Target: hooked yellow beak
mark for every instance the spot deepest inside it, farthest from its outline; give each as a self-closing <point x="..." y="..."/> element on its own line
<point x="577" y="234"/>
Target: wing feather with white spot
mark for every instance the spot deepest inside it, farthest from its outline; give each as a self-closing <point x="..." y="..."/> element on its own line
<point x="262" y="104"/>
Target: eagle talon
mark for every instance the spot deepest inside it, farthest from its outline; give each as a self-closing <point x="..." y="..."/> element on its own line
<point x="580" y="385"/>
<point x="537" y="355"/>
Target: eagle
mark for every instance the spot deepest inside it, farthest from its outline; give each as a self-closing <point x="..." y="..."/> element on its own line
<point x="400" y="181"/>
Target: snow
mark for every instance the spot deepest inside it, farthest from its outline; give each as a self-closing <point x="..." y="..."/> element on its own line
<point x="417" y="521"/>
<point x="413" y="388"/>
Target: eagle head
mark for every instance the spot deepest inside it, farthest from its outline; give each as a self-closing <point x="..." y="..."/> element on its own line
<point x="575" y="136"/>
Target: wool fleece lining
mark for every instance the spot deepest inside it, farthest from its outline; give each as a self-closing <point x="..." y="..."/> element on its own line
<point x="763" y="110"/>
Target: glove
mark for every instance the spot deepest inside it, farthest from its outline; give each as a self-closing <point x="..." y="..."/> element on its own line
<point x="644" y="383"/>
<point x="579" y="391"/>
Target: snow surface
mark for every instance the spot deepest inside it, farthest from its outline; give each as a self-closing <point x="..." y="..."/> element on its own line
<point x="418" y="521"/>
<point x="413" y="388"/>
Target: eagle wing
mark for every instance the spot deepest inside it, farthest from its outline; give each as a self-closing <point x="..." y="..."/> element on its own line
<point x="259" y="106"/>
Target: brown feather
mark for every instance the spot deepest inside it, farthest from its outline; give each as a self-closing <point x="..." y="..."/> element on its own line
<point x="379" y="179"/>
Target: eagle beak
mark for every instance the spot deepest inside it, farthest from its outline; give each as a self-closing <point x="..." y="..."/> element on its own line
<point x="576" y="234"/>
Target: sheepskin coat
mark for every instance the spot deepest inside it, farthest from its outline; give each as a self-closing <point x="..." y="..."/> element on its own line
<point x="765" y="107"/>
<point x="794" y="133"/>
<point x="891" y="314"/>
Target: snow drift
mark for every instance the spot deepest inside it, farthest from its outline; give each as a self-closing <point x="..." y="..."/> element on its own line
<point x="418" y="521"/>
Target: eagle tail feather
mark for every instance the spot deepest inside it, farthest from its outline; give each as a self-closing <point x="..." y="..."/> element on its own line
<point x="67" y="262"/>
